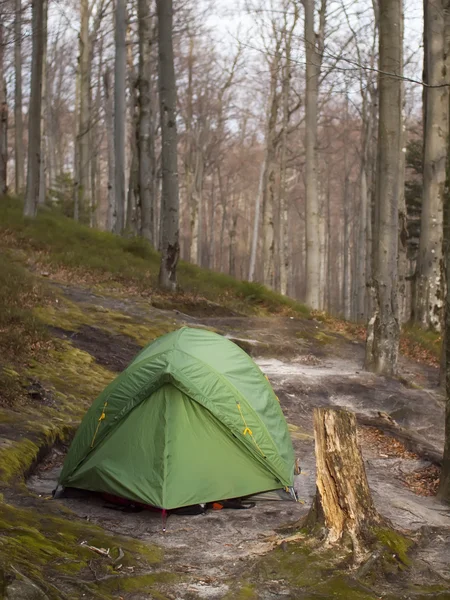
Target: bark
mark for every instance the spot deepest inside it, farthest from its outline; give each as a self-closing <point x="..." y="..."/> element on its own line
<point x="255" y="235"/>
<point x="444" y="484"/>
<point x="314" y="52"/>
<point x="268" y="193"/>
<point x="146" y="128"/>
<point x="76" y="152"/>
<point x="44" y="119"/>
<point x="19" y="149"/>
<point x="168" y="100"/>
<point x="3" y="116"/>
<point x="120" y="113"/>
<point x="343" y="503"/>
<point x="133" y="180"/>
<point x="383" y="331"/>
<point x="283" y="216"/>
<point x="109" y="122"/>
<point x="402" y="227"/>
<point x="429" y="292"/>
<point x="84" y="198"/>
<point x="34" y="118"/>
<point x="361" y="271"/>
<point x="346" y="248"/>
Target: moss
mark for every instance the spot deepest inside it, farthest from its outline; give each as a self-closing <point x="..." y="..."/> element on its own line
<point x="324" y="339"/>
<point x="307" y="567"/>
<point x="297" y="433"/>
<point x="70" y="316"/>
<point x="72" y="371"/>
<point x="139" y="583"/>
<point x="16" y="459"/>
<point x="396" y="544"/>
<point x="46" y="547"/>
<point x="342" y="587"/>
<point x="246" y="592"/>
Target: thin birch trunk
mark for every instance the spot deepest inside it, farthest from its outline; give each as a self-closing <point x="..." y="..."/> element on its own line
<point x="34" y="117"/>
<point x="19" y="149"/>
<point x="168" y="101"/>
<point x="44" y="119"/>
<point x="133" y="181"/>
<point x="84" y="115"/>
<point x="120" y="112"/>
<point x="146" y="129"/>
<point x="255" y="235"/>
<point x="269" y="175"/>
<point x="109" y="122"/>
<point x="3" y="116"/>
<point x="283" y="217"/>
<point x="76" y="150"/>
<point x="314" y="51"/>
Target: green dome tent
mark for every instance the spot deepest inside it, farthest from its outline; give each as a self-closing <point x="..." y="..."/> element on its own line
<point x="191" y="420"/>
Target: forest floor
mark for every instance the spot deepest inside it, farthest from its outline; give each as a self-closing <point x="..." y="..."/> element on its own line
<point x="82" y="334"/>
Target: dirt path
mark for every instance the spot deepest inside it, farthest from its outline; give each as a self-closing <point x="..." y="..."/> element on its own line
<point x="307" y="368"/>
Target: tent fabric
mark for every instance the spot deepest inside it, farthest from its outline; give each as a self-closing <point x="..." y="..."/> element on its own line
<point x="192" y="419"/>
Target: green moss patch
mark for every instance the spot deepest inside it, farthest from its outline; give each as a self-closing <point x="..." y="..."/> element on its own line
<point x="396" y="545"/>
<point x="49" y="550"/>
<point x="306" y="567"/>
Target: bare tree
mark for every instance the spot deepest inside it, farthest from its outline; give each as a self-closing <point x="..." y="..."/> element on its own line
<point x="269" y="177"/>
<point x="314" y="46"/>
<point x="170" y="247"/>
<point x="444" y="484"/>
<point x="383" y="332"/>
<point x="3" y="115"/>
<point x="34" y="118"/>
<point x="109" y="122"/>
<point x="19" y="151"/>
<point x="84" y="198"/>
<point x="146" y="128"/>
<point x="428" y="278"/>
<point x="286" y="72"/>
<point x="120" y="112"/>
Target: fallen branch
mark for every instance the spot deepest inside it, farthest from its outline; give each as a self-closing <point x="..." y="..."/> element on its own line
<point x="411" y="440"/>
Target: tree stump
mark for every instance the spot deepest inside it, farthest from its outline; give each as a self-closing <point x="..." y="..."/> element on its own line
<point x="343" y="505"/>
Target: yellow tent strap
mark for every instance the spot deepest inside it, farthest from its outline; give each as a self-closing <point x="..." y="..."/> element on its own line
<point x="247" y="428"/>
<point x="100" y="419"/>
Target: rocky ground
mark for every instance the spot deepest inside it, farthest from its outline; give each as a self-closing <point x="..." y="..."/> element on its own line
<point x="230" y="553"/>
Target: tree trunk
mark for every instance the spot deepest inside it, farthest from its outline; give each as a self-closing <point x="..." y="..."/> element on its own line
<point x="19" y="151"/>
<point x="133" y="181"/>
<point x="76" y="150"/>
<point x="444" y="484"/>
<point x="343" y="503"/>
<point x="255" y="234"/>
<point x="146" y="133"/>
<point x="109" y="122"/>
<point x="383" y="331"/>
<point x="168" y="101"/>
<point x="314" y="52"/>
<point x="3" y="116"/>
<point x="44" y="118"/>
<point x="120" y="113"/>
<point x="361" y="273"/>
<point x="283" y="216"/>
<point x="428" y="278"/>
<point x="84" y="115"/>
<point x="268" y="191"/>
<point x="34" y="116"/>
